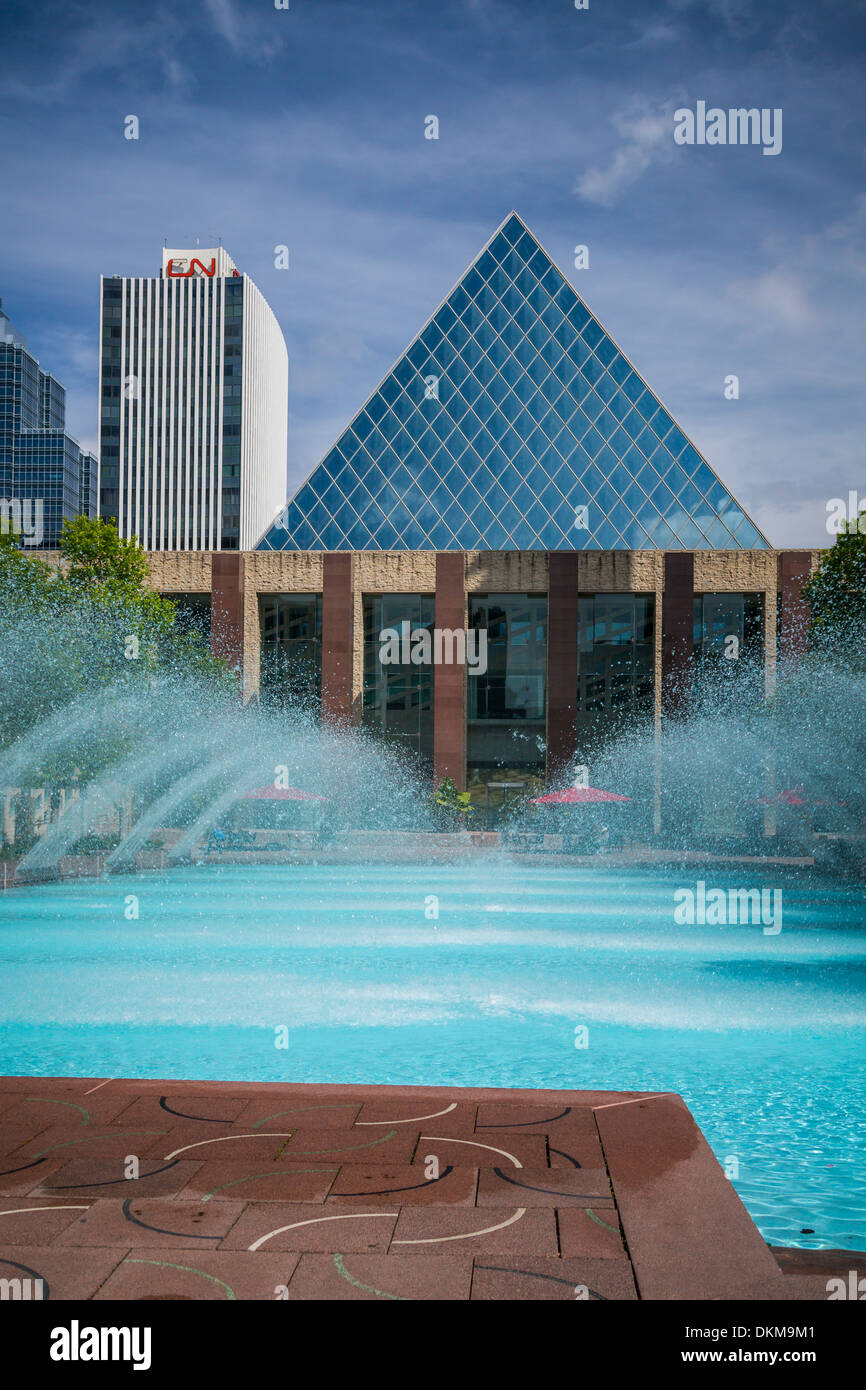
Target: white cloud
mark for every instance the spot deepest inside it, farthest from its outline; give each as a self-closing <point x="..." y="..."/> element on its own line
<point x="225" y="22"/>
<point x="645" y="138"/>
<point x="778" y="295"/>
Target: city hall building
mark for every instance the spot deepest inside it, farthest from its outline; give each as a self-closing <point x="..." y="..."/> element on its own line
<point x="512" y="474"/>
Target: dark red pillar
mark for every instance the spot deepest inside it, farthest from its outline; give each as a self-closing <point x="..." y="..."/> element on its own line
<point x="338" y="637"/>
<point x="677" y="632"/>
<point x="562" y="657"/>
<point x="227" y="607"/>
<point x="449" y="682"/>
<point x="795" y="566"/>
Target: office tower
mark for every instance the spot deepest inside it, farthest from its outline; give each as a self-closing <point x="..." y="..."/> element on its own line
<point x="45" y="477"/>
<point x="193" y="405"/>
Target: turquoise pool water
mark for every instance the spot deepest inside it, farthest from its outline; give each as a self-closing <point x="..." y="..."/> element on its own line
<point x="763" y="1034"/>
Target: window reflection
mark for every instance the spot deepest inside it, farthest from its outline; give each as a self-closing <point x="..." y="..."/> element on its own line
<point x="291" y="650"/>
<point x="398" y="696"/>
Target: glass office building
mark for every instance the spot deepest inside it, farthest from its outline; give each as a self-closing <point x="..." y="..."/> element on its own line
<point x="45" y="477"/>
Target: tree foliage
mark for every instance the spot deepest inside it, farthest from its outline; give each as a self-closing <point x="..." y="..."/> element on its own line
<point x="837" y="595"/>
<point x="87" y="624"/>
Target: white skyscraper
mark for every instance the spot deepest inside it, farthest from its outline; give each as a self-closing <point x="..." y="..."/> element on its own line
<point x="193" y="405"/>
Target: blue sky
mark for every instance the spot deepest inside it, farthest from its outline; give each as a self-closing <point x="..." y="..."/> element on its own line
<point x="305" y="127"/>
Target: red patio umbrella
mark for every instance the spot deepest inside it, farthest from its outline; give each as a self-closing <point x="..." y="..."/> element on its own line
<point x="795" y="797"/>
<point x="577" y="794"/>
<point x="272" y="793"/>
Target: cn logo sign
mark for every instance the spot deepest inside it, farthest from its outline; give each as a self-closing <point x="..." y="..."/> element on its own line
<point x="186" y="268"/>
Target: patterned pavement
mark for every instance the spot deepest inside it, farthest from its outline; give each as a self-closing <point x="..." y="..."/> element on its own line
<point x="192" y="1190"/>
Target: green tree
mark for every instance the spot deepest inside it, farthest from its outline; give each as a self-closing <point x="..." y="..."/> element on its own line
<point x="837" y="595"/>
<point x="87" y="624"/>
<point x="453" y="806"/>
<point x="96" y="554"/>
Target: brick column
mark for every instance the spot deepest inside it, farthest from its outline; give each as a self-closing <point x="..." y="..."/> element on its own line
<point x="227" y="607"/>
<point x="562" y="616"/>
<point x="795" y="566"/>
<point x="449" y="681"/>
<point x="677" y="632"/>
<point x="338" y="637"/>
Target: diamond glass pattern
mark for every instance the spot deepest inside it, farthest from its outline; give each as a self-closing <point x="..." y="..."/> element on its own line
<point x="513" y="422"/>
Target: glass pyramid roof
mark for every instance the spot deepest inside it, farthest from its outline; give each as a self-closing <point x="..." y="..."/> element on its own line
<point x="513" y="422"/>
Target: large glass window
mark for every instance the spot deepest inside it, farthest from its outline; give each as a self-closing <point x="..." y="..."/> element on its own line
<point x="398" y="693"/>
<point x="616" y="664"/>
<point x="506" y="705"/>
<point x="193" y="612"/>
<point x="291" y="654"/>
<point x="728" y="634"/>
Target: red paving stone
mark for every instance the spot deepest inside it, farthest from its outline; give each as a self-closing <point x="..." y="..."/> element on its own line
<point x="407" y="1185"/>
<point x="358" y="1228"/>
<point x="244" y="1182"/>
<point x="455" y="1118"/>
<point x="67" y="1274"/>
<point x="107" y="1177"/>
<point x="249" y="1191"/>
<point x="543" y="1187"/>
<point x="483" y="1151"/>
<point x="382" y="1278"/>
<point x="36" y="1221"/>
<point x="217" y="1275"/>
<point x="395" y="1144"/>
<point x="323" y="1114"/>
<point x="590" y="1231"/>
<point x="158" y="1221"/>
<point x="20" y="1178"/>
<point x="500" y="1230"/>
<point x="573" y="1280"/>
<point x="178" y="1108"/>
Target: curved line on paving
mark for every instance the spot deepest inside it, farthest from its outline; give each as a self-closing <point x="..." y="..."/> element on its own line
<point x="187" y="1235"/>
<point x="94" y="1139"/>
<point x="46" y="1100"/>
<point x="551" y="1191"/>
<point x="413" y="1187"/>
<point x="648" y="1095"/>
<point x="573" y="1161"/>
<point x="188" y="1269"/>
<point x="444" y="1139"/>
<point x="224" y="1139"/>
<point x="598" y="1221"/>
<point x="412" y="1118"/>
<point x="533" y="1274"/>
<point x="206" y="1119"/>
<point x="347" y="1148"/>
<point x="270" y="1174"/>
<point x="111" y="1182"/>
<point x="34" y="1274"/>
<point x="72" y="1206"/>
<point x="301" y="1110"/>
<point x="524" y="1124"/>
<point x="367" y="1288"/>
<point x="4" y="1172"/>
<point x="316" y="1220"/>
<point x="466" y="1235"/>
